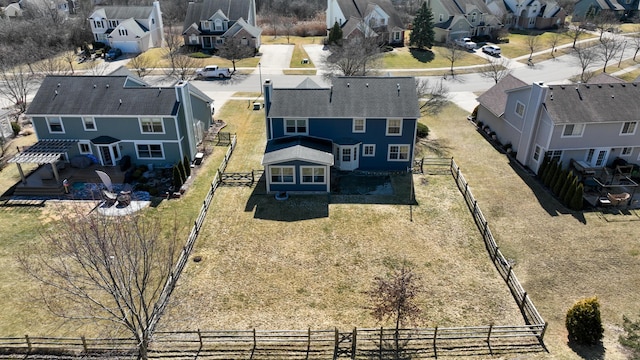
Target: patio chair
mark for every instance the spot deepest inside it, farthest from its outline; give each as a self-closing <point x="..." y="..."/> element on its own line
<point x="618" y="199"/>
<point x="109" y="197"/>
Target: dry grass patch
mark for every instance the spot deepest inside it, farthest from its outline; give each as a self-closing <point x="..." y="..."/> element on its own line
<point x="560" y="256"/>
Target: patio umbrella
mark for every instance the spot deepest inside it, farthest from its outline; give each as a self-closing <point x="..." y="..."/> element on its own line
<point x="105" y="179"/>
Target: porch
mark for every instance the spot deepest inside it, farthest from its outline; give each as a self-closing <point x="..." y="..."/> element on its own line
<point x="606" y="187"/>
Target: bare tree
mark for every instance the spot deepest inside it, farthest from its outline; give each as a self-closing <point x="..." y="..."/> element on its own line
<point x="173" y="42"/>
<point x="574" y="33"/>
<point x="234" y="49"/>
<point x="142" y="65"/>
<point x="533" y="42"/>
<point x="97" y="67"/>
<point x="52" y="65"/>
<point x="433" y="96"/>
<point x="635" y="40"/>
<point x="586" y="56"/>
<point x="106" y="268"/>
<point x="16" y="83"/>
<point x="354" y="57"/>
<point x="554" y="40"/>
<point x="184" y="66"/>
<point x="609" y="48"/>
<point x="496" y="69"/>
<point x="288" y="24"/>
<point x="273" y="19"/>
<point x="453" y="53"/>
<point x="69" y="57"/>
<point x="604" y="20"/>
<point x="393" y="298"/>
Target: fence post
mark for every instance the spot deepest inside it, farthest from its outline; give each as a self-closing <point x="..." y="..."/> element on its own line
<point x="84" y="344"/>
<point x="354" y="339"/>
<point x="489" y="335"/>
<point x="494" y="257"/>
<point x="544" y="330"/>
<point x="255" y="342"/>
<point x="484" y="231"/>
<point x="380" y="352"/>
<point x="435" y="343"/>
<point x="200" y="340"/>
<point x="509" y="274"/>
<point x="28" y="343"/>
<point x="308" y="342"/>
<point x="524" y="298"/>
<point x="335" y="347"/>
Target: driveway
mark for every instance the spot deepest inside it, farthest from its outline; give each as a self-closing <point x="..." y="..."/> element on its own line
<point x="274" y="58"/>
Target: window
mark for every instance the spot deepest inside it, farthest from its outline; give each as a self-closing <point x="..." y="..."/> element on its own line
<point x="282" y="174"/>
<point x="369" y="150"/>
<point x="193" y="39"/>
<point x="628" y="128"/>
<point x="573" y="130"/>
<point x="590" y="155"/>
<point x="150" y="151"/>
<point x="536" y="153"/>
<point x="346" y="154"/>
<point x="554" y="155"/>
<point x="359" y="125"/>
<point x="85" y="147"/>
<point x="244" y="41"/>
<point x="205" y="25"/>
<point x="473" y="17"/>
<point x="218" y="25"/>
<point x="89" y="124"/>
<point x="219" y="41"/>
<point x="394" y="127"/>
<point x="396" y="35"/>
<point x="113" y="24"/>
<point x="97" y="24"/>
<point x="55" y="125"/>
<point x="626" y="151"/>
<point x="123" y="32"/>
<point x="520" y="109"/>
<point x="151" y="125"/>
<point x="295" y="126"/>
<point x="312" y="175"/>
<point x="398" y="153"/>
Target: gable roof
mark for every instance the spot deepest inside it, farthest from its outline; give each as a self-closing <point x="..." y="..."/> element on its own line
<point x="371" y="97"/>
<point x="593" y="103"/>
<point x="123" y="12"/>
<point x="240" y="25"/>
<point x="305" y="148"/>
<point x="604" y="78"/>
<point x="100" y="95"/>
<point x="495" y="99"/>
<point x="361" y="8"/>
<point x="131" y="26"/>
<point x="233" y="9"/>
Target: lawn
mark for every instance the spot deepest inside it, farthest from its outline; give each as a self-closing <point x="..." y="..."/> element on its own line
<point x="518" y="43"/>
<point x="307" y="262"/>
<point x="407" y="58"/>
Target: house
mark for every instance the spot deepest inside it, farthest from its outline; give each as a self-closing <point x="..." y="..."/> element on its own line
<point x="455" y="19"/>
<point x="535" y="14"/>
<point x="366" y="17"/>
<point x="6" y="132"/>
<point x="110" y="117"/>
<point x="358" y="123"/>
<point x="132" y="29"/>
<point x="590" y="123"/>
<point x="209" y="22"/>
<point x="45" y="7"/>
<point x="12" y="10"/>
<point x="619" y="9"/>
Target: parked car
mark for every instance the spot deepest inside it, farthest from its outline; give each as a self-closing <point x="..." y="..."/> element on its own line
<point x="588" y="26"/>
<point x="212" y="71"/>
<point x="493" y="50"/>
<point x="113" y="54"/>
<point x="466" y="43"/>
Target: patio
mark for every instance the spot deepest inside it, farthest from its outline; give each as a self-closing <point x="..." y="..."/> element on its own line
<point x="606" y="187"/>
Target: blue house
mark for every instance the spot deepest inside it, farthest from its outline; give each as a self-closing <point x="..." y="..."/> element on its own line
<point x="109" y="117"/>
<point x="359" y="123"/>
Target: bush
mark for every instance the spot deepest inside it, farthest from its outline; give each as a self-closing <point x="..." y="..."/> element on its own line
<point x="577" y="201"/>
<point x="199" y="55"/>
<point x="187" y="166"/>
<point x="480" y="124"/>
<point x="584" y="323"/>
<point x="423" y="131"/>
<point x="15" y="127"/>
<point x="631" y="338"/>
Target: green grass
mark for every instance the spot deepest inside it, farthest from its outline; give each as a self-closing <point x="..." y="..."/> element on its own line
<point x="406" y="58"/>
<point x="158" y="58"/>
<point x="518" y="43"/>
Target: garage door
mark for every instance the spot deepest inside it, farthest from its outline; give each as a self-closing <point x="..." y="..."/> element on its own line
<point x="126" y="46"/>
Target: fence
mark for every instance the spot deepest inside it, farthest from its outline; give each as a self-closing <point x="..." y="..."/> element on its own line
<point x="528" y="310"/>
<point x="237" y="179"/>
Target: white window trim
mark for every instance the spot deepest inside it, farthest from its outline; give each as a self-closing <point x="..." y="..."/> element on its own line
<point x="635" y="127"/>
<point x="149" y="144"/>
<point x="573" y="136"/>
<point x="84" y="125"/>
<point x="85" y="142"/>
<point x="537" y="151"/>
<point x="364" y="125"/>
<point x="324" y="169"/>
<point x="387" y="128"/>
<point x="523" y="109"/>
<point x="142" y="131"/>
<point x="399" y="152"/>
<point x="630" y="151"/>
<point x="61" y="125"/>
<point x="282" y="167"/>
<point x="363" y="154"/>
<point x="284" y="122"/>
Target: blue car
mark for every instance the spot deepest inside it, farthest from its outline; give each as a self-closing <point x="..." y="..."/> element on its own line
<point x="113" y="54"/>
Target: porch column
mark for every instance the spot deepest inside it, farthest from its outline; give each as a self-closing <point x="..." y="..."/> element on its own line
<point x="55" y="171"/>
<point x="24" y="179"/>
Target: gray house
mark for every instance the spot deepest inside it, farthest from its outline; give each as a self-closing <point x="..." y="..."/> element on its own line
<point x="369" y="18"/>
<point x="590" y="123"/>
<point x="455" y="19"/>
<point x="109" y="117"/>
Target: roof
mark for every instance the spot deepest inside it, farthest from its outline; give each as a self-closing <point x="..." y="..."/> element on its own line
<point x="302" y="148"/>
<point x="241" y="24"/>
<point x="604" y="78"/>
<point x="132" y="26"/>
<point x="233" y="9"/>
<point x="100" y="95"/>
<point x="371" y="97"/>
<point x="43" y="152"/>
<point x="495" y="99"/>
<point x="593" y="103"/>
<point x="361" y="8"/>
<point x="124" y="12"/>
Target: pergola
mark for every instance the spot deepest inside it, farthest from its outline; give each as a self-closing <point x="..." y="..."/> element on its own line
<point x="43" y="152"/>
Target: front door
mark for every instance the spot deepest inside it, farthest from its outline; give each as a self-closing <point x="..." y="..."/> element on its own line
<point x="347" y="157"/>
<point x="597" y="157"/>
<point x="109" y="154"/>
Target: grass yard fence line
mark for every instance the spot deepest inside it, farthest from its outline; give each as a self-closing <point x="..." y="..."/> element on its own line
<point x="527" y="308"/>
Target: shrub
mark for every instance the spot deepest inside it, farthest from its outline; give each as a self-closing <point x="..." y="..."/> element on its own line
<point x="543" y="167"/>
<point x="571" y="191"/>
<point x="576" y="200"/>
<point x="136" y="174"/>
<point x="177" y="178"/>
<point x="631" y="338"/>
<point x="15" y="127"/>
<point x="568" y="181"/>
<point x="583" y="322"/>
<point x="187" y="166"/>
<point x="480" y="124"/>
<point x="199" y="55"/>
<point x="423" y="131"/>
<point x="557" y="186"/>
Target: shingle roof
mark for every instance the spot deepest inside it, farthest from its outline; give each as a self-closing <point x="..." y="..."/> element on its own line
<point x="233" y="9"/>
<point x="241" y="24"/>
<point x="593" y="103"/>
<point x="495" y="99"/>
<point x="303" y="148"/>
<point x="358" y="9"/>
<point x="100" y="95"/>
<point x="604" y="78"/>
<point x="126" y="12"/>
<point x="370" y="97"/>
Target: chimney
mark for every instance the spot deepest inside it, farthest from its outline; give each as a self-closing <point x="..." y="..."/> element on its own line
<point x="268" y="93"/>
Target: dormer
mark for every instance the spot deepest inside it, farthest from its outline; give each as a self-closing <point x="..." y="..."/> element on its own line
<point x="218" y="22"/>
<point x="376" y="16"/>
